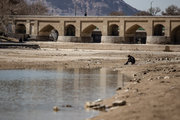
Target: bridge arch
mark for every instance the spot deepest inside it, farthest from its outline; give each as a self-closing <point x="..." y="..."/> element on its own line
<point x="48" y="33"/>
<point x="91" y="34"/>
<point x="175" y="35"/>
<point x="70" y="30"/>
<point x="159" y="30"/>
<point x="113" y="30"/>
<point x="135" y="35"/>
<point x="20" y="29"/>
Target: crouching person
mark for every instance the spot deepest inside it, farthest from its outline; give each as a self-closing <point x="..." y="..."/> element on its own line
<point x="131" y="60"/>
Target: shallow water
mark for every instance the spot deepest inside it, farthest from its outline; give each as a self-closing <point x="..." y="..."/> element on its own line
<point x="31" y="94"/>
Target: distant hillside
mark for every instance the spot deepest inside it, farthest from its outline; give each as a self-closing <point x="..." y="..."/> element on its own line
<point x="93" y="7"/>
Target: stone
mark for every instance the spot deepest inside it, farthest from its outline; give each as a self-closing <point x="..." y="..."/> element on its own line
<point x="162" y="82"/>
<point x="134" y="75"/>
<point x="55" y="109"/>
<point x="100" y="108"/>
<point x="68" y="105"/>
<point x="119" y="103"/>
<point x="166" y="77"/>
<point x="91" y="104"/>
<point x="126" y="90"/>
<point x="119" y="88"/>
<point x="98" y="100"/>
<point x="159" y="77"/>
<point x="138" y="81"/>
<point x="149" y="60"/>
<point x="176" y="58"/>
<point x="150" y="79"/>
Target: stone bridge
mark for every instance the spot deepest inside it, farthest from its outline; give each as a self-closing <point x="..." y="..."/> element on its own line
<point x="101" y="29"/>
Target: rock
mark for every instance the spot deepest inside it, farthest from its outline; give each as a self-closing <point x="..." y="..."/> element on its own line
<point x="98" y="100"/>
<point x="68" y="105"/>
<point x="119" y="88"/>
<point x="55" y="109"/>
<point x="149" y="60"/>
<point x="135" y="91"/>
<point x="166" y="77"/>
<point x="91" y="104"/>
<point x="134" y="75"/>
<point x="162" y="82"/>
<point x="119" y="103"/>
<point x="150" y="79"/>
<point x="138" y="81"/>
<point x="100" y="108"/>
<point x="176" y="58"/>
<point x="159" y="77"/>
<point x="126" y="90"/>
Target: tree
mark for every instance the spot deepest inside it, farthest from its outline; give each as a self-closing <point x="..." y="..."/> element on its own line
<point x="6" y="8"/>
<point x="150" y="12"/>
<point x="172" y="10"/>
<point x="154" y="10"/>
<point x="37" y="8"/>
<point x="18" y="7"/>
<point x="117" y="13"/>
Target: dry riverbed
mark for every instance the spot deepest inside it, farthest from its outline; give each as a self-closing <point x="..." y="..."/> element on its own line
<point x="152" y="94"/>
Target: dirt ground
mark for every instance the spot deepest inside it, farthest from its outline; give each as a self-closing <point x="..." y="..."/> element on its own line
<point x="152" y="94"/>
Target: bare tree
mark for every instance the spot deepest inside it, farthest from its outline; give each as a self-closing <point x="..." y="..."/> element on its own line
<point x="7" y="7"/>
<point x="154" y="10"/>
<point x="37" y="8"/>
<point x="18" y="7"/>
<point x="172" y="10"/>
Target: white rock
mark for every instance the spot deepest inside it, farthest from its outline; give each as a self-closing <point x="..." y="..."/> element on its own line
<point x="166" y="77"/>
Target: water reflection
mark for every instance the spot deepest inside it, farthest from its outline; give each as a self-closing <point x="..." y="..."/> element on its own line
<point x="31" y="94"/>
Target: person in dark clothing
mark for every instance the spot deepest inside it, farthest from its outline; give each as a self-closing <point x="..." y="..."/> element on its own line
<point x="131" y="59"/>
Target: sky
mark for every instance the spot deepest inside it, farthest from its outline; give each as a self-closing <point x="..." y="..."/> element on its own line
<point x="146" y="4"/>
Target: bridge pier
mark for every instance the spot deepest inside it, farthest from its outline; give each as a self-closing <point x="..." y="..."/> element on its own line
<point x="86" y="39"/>
<point x="68" y="39"/>
<point x="112" y="39"/>
<point x="158" y="40"/>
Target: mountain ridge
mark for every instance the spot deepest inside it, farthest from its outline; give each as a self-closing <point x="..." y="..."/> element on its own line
<point x="91" y="7"/>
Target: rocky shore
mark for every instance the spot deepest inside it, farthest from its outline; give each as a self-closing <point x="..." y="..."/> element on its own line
<point x="153" y="93"/>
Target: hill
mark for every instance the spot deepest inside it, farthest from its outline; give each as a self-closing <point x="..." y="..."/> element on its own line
<point x="92" y="7"/>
